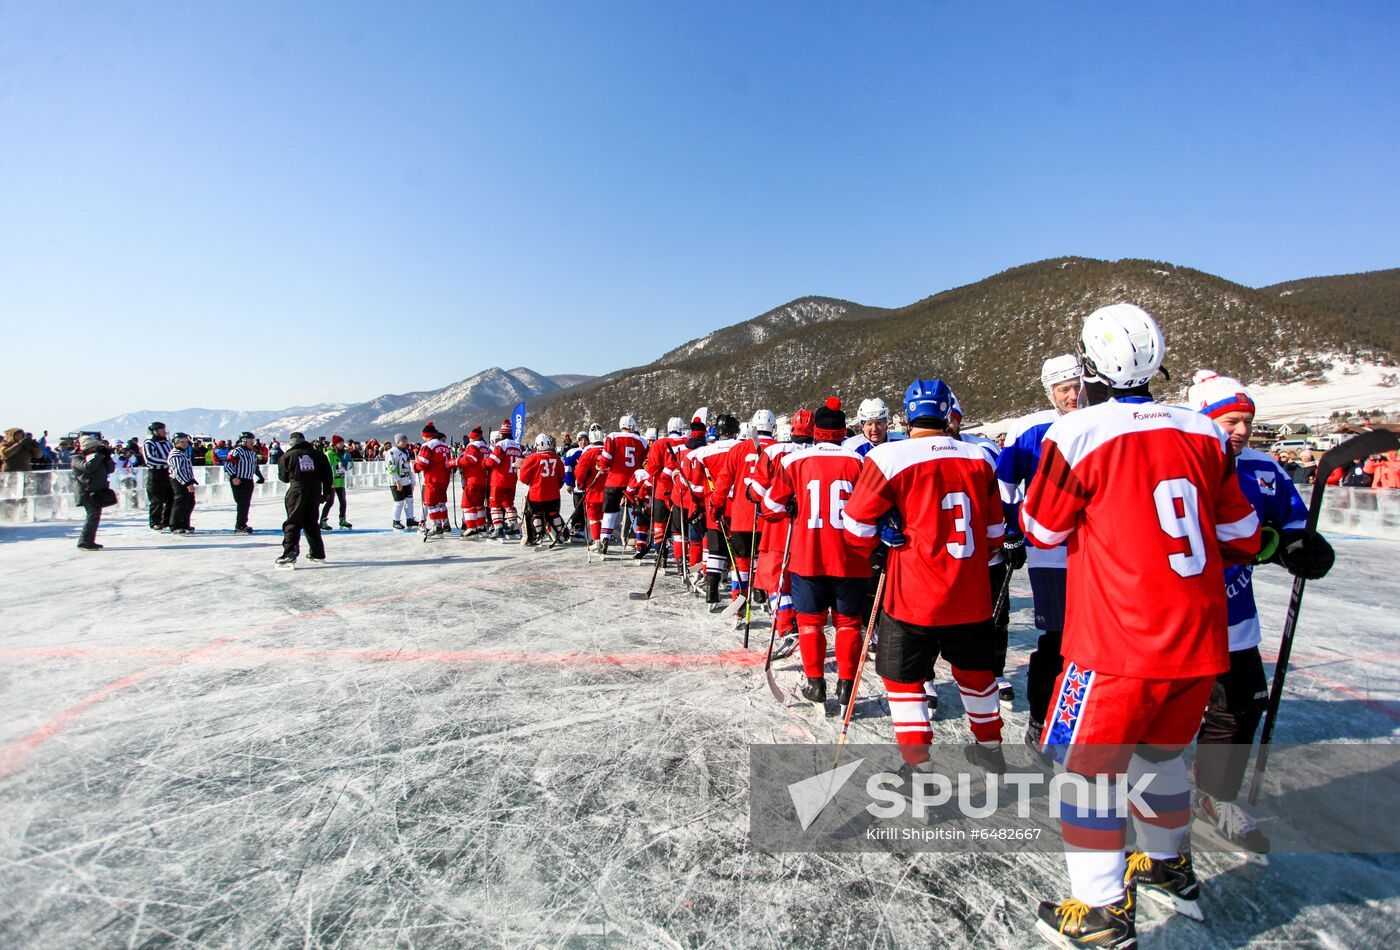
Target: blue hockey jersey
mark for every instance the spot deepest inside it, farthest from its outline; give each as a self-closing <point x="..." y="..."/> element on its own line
<point x="1277" y="503"/>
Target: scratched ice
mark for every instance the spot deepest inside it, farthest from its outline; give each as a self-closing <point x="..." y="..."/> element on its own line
<point x="470" y="743"/>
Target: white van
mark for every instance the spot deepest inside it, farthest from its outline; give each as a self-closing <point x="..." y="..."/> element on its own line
<point x="1290" y="445"/>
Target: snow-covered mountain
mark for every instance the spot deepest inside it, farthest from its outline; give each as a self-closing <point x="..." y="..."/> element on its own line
<point x="483" y="399"/>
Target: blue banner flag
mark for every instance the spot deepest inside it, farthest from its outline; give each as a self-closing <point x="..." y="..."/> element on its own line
<point x="517" y="422"/>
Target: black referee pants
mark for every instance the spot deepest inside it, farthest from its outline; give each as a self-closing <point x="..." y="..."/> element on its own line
<point x="242" y="500"/>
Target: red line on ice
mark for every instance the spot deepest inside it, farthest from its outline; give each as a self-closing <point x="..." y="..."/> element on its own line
<point x="169" y="657"/>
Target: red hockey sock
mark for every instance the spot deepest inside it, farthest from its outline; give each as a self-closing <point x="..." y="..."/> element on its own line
<point x="811" y="640"/>
<point x="848" y="643"/>
<point x="979" y="697"/>
<point x="909" y="715"/>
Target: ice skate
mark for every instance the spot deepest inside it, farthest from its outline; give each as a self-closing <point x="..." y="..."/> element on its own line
<point x="988" y="758"/>
<point x="345" y="524"/>
<point x="286" y="563"/>
<point x="326" y="525"/>
<point x="784" y="647"/>
<point x="814" y="690"/>
<point x="1171" y="883"/>
<point x="399" y="526"/>
<point x="1232" y="827"/>
<point x="1072" y="923"/>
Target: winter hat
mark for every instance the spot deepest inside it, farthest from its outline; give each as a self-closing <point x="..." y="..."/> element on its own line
<point x="430" y="430"/>
<point x="476" y="433"/>
<point x="296" y="437"/>
<point x="337" y="440"/>
<point x="697" y="427"/>
<point x="802" y="423"/>
<point x="1215" y="395"/>
<point x="90" y="443"/>
<point x="829" y="422"/>
<point x="400" y="437"/>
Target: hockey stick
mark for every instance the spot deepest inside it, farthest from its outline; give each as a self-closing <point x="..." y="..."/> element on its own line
<point x="1344" y="455"/>
<point x="773" y="634"/>
<point x="656" y="569"/>
<point x="860" y="667"/>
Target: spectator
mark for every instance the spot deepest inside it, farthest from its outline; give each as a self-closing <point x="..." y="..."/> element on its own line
<point x="94" y="490"/>
<point x="1388" y="472"/>
<point x="339" y="458"/>
<point x="20" y="451"/>
<point x="274" y="452"/>
<point x="1303" y="474"/>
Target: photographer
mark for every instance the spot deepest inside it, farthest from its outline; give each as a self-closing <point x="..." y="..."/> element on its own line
<point x="91" y="470"/>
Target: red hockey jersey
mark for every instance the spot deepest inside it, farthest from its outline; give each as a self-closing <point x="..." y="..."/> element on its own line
<point x="623" y="453"/>
<point x="763" y="480"/>
<point x="947" y="495"/>
<point x="1147" y="497"/>
<point x="433" y="460"/>
<point x="820" y="479"/>
<point x="504" y="463"/>
<point x="586" y="474"/>
<point x="469" y="462"/>
<point x="699" y="470"/>
<point x="544" y="472"/>
<point x="734" y="476"/>
<point x="658" y="463"/>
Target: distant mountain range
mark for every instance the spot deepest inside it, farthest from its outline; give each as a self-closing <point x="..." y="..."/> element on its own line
<point x="483" y="399"/>
<point x="988" y="339"/>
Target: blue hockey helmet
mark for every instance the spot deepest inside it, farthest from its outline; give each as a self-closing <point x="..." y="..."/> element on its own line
<point x="928" y="399"/>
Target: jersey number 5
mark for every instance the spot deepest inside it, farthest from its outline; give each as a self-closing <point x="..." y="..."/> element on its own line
<point x="1180" y="518"/>
<point x="630" y="454"/>
<point x="839" y="491"/>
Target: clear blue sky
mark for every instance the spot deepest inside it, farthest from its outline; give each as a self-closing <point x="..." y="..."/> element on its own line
<point x="257" y="204"/>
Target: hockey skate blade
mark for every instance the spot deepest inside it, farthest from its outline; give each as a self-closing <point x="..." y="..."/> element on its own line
<point x="1185" y="908"/>
<point x="736" y="605"/>
<point x="1208" y="830"/>
<point x="1057" y="939"/>
<point x="284" y="567"/>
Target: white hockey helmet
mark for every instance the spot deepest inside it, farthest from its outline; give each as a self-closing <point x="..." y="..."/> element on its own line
<point x="782" y="429"/>
<point x="595" y="434"/>
<point x="873" y="410"/>
<point x="1122" y="346"/>
<point x="495" y="437"/>
<point x="650" y="434"/>
<point x="627" y="423"/>
<point x="745" y="431"/>
<point x="544" y="441"/>
<point x="675" y="425"/>
<point x="1059" y="369"/>
<point x="763" y="421"/>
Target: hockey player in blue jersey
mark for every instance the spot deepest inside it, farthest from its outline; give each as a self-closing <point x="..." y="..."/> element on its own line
<point x="1240" y="695"/>
<point x="577" y="525"/>
<point x="874" y="419"/>
<point x="1020" y="455"/>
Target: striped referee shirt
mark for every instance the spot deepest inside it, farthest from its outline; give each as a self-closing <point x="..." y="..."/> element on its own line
<point x="242" y="463"/>
<point x="156" y="452"/>
<point x="181" y="471"/>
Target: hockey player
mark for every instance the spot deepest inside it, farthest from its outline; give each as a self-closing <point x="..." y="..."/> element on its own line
<point x="638" y="497"/>
<point x="768" y="576"/>
<point x="1240" y="694"/>
<point x="702" y="464"/>
<point x="941" y="513"/>
<point x="589" y="483"/>
<point x="827" y="573"/>
<point x="309" y="480"/>
<point x="657" y="467"/>
<point x="1145" y="624"/>
<point x="182" y="483"/>
<point x="690" y="522"/>
<point x="503" y="463"/>
<point x="339" y="457"/>
<point x="874" y="418"/>
<point x="543" y="472"/>
<point x="571" y="456"/>
<point x="1017" y="463"/>
<point x="241" y="466"/>
<point x="735" y="473"/>
<point x="623" y="453"/>
<point x="399" y="465"/>
<point x="476" y="480"/>
<point x="433" y="459"/>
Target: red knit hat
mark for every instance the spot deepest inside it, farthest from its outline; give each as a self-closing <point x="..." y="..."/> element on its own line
<point x="336" y="440"/>
<point x="430" y="430"/>
<point x="506" y="428"/>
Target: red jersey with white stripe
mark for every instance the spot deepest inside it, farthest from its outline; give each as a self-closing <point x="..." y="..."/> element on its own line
<point x="682" y="491"/>
<point x="734" y="477"/>
<point x="544" y="473"/>
<point x="623" y="453"/>
<point x="700" y="468"/>
<point x="1147" y="497"/>
<point x="820" y="478"/>
<point x="587" y="476"/>
<point x="946" y="492"/>
<point x="658" y="463"/>
<point x="469" y="463"/>
<point x="433" y="460"/>
<point x="638" y="491"/>
<point x="763" y="480"/>
<point x="504" y="463"/>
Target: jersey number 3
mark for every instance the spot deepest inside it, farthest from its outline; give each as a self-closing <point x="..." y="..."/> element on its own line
<point x="1180" y="518"/>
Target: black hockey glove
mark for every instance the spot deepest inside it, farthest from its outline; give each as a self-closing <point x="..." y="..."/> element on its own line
<point x="1014" y="550"/>
<point x="1306" y="555"/>
<point x="791" y="507"/>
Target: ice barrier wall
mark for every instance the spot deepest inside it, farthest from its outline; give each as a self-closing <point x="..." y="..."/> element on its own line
<point x="52" y="496"/>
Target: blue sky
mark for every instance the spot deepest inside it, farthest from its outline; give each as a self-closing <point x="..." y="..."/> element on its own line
<point x="257" y="204"/>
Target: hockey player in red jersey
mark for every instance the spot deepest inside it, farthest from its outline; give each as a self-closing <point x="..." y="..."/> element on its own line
<point x="503" y="463"/>
<point x="689" y="523"/>
<point x="589" y="482"/>
<point x="433" y="460"/>
<point x="701" y="466"/>
<point x="638" y="497"/>
<point x="828" y="573"/>
<point x="768" y="573"/>
<point x="543" y="471"/>
<point x="623" y="453"/>
<point x="475" y="483"/>
<point x="934" y="501"/>
<point x="1147" y="497"/>
<point x="657" y="467"/>
<point x="731" y="485"/>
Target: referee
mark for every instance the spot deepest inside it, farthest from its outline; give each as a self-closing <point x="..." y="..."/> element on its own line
<point x="242" y="469"/>
<point x="159" y="495"/>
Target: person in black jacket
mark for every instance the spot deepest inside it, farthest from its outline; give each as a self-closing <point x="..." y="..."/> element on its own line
<point x="308" y="472"/>
<point x="91" y="471"/>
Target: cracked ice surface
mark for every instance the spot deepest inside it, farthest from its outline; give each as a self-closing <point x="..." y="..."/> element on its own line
<point x="471" y="743"/>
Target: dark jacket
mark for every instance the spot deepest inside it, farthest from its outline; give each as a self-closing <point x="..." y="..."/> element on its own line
<point x="91" y="473"/>
<point x="306" y="468"/>
<point x="19" y="452"/>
